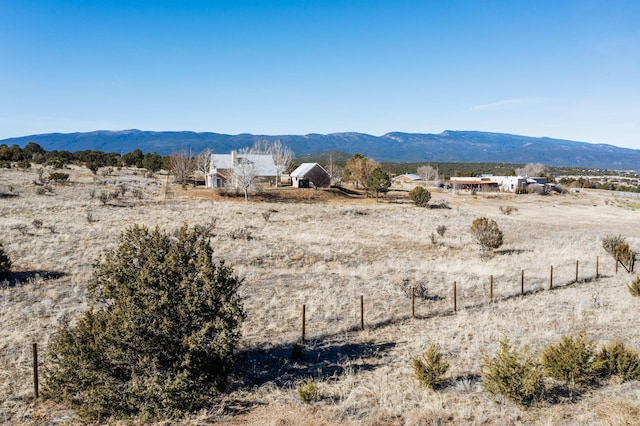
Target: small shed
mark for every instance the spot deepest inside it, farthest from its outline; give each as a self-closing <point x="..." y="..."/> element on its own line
<point x="308" y="175"/>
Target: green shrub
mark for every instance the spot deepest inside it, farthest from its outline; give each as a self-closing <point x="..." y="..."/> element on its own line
<point x="420" y="196"/>
<point x="634" y="287"/>
<point x="58" y="177"/>
<point x="616" y="359"/>
<point x="486" y="234"/>
<point x="430" y="368"/>
<point x="159" y="337"/>
<point x="514" y="375"/>
<point x="5" y="264"/>
<point x="572" y="360"/>
<point x="308" y="392"/>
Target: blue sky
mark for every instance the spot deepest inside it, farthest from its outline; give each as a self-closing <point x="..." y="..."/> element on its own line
<point x="563" y="69"/>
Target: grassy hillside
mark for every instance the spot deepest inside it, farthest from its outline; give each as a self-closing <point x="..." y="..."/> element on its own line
<point x="326" y="250"/>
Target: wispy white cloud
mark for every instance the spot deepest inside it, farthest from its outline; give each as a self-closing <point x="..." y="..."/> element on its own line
<point x="510" y="104"/>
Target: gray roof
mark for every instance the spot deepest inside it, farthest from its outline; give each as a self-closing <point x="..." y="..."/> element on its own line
<point x="409" y="176"/>
<point x="264" y="163"/>
<point x="303" y="169"/>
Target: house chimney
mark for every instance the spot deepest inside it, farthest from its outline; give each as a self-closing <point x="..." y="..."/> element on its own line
<point x="234" y="158"/>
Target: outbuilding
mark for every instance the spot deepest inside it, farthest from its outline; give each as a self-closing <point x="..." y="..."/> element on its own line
<point x="310" y="175"/>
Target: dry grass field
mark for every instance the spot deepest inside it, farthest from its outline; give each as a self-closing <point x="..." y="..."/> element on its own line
<point x="325" y="250"/>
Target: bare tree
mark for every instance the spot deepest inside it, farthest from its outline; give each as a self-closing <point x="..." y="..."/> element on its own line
<point x="335" y="171"/>
<point x="245" y="171"/>
<point x="427" y="172"/>
<point x="281" y="154"/>
<point x="203" y="162"/>
<point x="531" y="169"/>
<point x="181" y="165"/>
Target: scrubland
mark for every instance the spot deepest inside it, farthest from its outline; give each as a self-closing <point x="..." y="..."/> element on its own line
<point x="325" y="250"/>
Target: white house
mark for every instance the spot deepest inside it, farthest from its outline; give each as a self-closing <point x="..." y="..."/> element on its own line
<point x="499" y="183"/>
<point x="225" y="168"/>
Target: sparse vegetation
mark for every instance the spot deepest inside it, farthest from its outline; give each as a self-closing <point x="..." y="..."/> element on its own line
<point x="486" y="234"/>
<point x="325" y="252"/>
<point x="507" y="210"/>
<point x="513" y="374"/>
<point x="610" y="242"/>
<point x="241" y="234"/>
<point x="430" y="368"/>
<point x="308" y="392"/>
<point x="634" y="287"/>
<point x="618" y="247"/>
<point x="58" y="177"/>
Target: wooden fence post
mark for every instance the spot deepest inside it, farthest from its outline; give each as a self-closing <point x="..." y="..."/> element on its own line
<point x="522" y="283"/>
<point x="35" y="370"/>
<point x="597" y="264"/>
<point x="361" y="312"/>
<point x="576" y="271"/>
<point x="551" y="278"/>
<point x="413" y="302"/>
<point x="455" y="298"/>
<point x="491" y="288"/>
<point x="303" y="322"/>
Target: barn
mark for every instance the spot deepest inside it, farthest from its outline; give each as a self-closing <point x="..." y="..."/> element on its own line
<point x="310" y="175"/>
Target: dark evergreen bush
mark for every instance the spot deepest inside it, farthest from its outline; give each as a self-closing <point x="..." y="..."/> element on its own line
<point x="616" y="359"/>
<point x="5" y="264"/>
<point x="572" y="360"/>
<point x="420" y="196"/>
<point x="159" y="337"/>
<point x="430" y="368"/>
<point x="514" y="375"/>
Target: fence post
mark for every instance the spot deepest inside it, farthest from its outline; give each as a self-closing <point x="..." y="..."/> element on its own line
<point x="361" y="312"/>
<point x="576" y="271"/>
<point x="597" y="264"/>
<point x="455" y="298"/>
<point x="413" y="302"/>
<point x="35" y="370"/>
<point x="303" y="322"/>
<point x="617" y="260"/>
<point x="551" y="278"/>
<point x="491" y="288"/>
<point x="522" y="283"/>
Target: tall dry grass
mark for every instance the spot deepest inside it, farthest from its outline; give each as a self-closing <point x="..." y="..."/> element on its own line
<point x="325" y="254"/>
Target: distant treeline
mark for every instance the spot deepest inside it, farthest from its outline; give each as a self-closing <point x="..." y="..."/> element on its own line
<point x="448" y="169"/>
<point x="92" y="159"/>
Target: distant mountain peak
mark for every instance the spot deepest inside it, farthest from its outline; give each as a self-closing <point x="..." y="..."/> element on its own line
<point x="449" y="145"/>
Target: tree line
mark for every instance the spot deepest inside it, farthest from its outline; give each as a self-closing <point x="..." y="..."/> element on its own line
<point x="93" y="159"/>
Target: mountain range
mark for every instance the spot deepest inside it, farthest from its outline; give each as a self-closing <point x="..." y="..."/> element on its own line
<point x="448" y="146"/>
